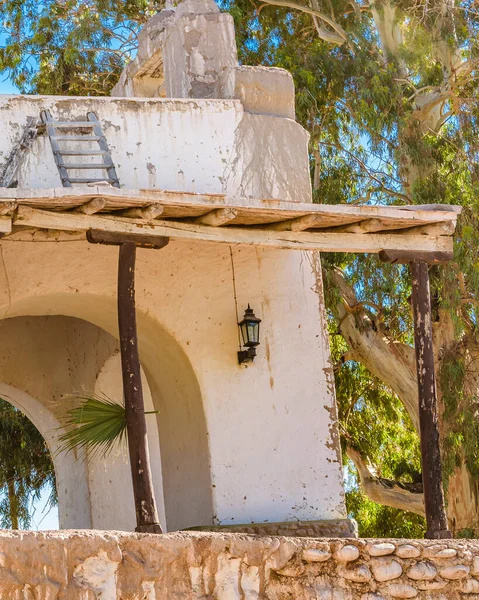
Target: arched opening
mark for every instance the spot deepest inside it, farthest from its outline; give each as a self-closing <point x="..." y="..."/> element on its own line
<point x="28" y="497"/>
<point x="73" y="508"/>
<point x="49" y="357"/>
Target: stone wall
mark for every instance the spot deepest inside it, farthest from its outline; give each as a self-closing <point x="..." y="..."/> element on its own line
<point x="109" y="566"/>
<point x="339" y="528"/>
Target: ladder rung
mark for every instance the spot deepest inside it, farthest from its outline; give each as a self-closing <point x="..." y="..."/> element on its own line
<point x="77" y="138"/>
<point x="72" y="124"/>
<point x="85" y="166"/>
<point x="83" y="152"/>
<point x="91" y="180"/>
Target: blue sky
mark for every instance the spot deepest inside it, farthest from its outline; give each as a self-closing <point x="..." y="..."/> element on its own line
<point x="44" y="517"/>
<point x="6" y="87"/>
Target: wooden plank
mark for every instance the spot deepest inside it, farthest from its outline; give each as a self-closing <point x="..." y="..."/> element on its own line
<point x="5" y="225"/>
<point x="326" y="242"/>
<point x="217" y="217"/>
<point x="78" y="138"/>
<point x="83" y="152"/>
<point x="97" y="166"/>
<point x="72" y="124"/>
<point x="148" y="214"/>
<point x="436" y="519"/>
<point x="396" y="256"/>
<point x="92" y="206"/>
<point x="111" y="238"/>
<point x="91" y="180"/>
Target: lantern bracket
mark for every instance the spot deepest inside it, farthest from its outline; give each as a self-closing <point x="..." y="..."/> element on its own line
<point x="245" y="356"/>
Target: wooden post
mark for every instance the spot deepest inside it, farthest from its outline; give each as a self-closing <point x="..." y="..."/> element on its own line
<point x="145" y="504"/>
<point x="418" y="262"/>
<point x="428" y="420"/>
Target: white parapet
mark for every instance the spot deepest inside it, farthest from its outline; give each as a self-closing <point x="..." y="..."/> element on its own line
<point x="192" y="145"/>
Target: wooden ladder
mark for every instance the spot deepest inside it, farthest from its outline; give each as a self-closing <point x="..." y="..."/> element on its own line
<point x="95" y="135"/>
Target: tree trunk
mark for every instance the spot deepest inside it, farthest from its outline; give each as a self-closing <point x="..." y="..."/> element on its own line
<point x="12" y="501"/>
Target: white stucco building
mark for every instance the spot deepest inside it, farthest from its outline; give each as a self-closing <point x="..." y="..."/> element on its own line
<point x="191" y="132"/>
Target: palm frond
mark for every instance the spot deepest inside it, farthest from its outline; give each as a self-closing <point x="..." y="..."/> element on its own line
<point x="95" y="425"/>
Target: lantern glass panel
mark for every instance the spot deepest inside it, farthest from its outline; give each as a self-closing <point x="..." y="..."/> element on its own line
<point x="253" y="333"/>
<point x="244" y="332"/>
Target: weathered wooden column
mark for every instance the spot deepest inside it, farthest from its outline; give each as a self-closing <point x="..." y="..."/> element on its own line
<point x="435" y="510"/>
<point x="145" y="505"/>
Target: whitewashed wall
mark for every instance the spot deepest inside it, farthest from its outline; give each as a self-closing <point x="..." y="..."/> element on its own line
<point x="207" y="146"/>
<point x="238" y="443"/>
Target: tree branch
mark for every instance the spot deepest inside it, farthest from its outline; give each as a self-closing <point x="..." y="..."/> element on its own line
<point x="391" y="362"/>
<point x="338" y="36"/>
<point x="404" y="496"/>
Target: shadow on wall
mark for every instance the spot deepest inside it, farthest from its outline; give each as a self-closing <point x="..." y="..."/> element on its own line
<point x="43" y="358"/>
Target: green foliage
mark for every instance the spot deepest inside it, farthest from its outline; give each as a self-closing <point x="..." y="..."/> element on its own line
<point x="69" y="47"/>
<point x="26" y="468"/>
<point x="461" y="439"/>
<point x="374" y="422"/>
<point x="95" y="424"/>
<point x="375" y="520"/>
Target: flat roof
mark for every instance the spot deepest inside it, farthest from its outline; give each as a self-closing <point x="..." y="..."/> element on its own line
<point x="221" y="219"/>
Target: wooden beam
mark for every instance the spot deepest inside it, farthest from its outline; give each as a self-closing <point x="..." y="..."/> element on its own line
<point x="396" y="256"/>
<point x="7" y="208"/>
<point x="217" y="217"/>
<point x="299" y="224"/>
<point x="111" y="238"/>
<point x="92" y="206"/>
<point x="428" y="415"/>
<point x="5" y="226"/>
<point x="366" y="226"/>
<point x="149" y="213"/>
<point x="325" y="242"/>
<point x="434" y="229"/>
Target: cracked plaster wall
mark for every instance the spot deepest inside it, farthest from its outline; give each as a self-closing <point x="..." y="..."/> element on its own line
<point x="204" y="146"/>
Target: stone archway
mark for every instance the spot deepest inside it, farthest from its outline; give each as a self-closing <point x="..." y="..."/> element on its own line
<point x="71" y="475"/>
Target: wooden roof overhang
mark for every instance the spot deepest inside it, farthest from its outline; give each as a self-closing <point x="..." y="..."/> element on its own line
<point x="218" y="218"/>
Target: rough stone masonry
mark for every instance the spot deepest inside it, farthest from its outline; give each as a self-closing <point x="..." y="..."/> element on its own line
<point x="88" y="565"/>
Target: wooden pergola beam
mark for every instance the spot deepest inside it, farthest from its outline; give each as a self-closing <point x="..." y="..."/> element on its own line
<point x="290" y="240"/>
<point x="218" y="217"/>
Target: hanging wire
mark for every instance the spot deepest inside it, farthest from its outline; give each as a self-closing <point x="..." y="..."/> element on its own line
<point x="234" y="294"/>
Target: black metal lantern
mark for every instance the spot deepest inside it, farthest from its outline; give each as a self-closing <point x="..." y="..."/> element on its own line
<point x="249" y="328"/>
